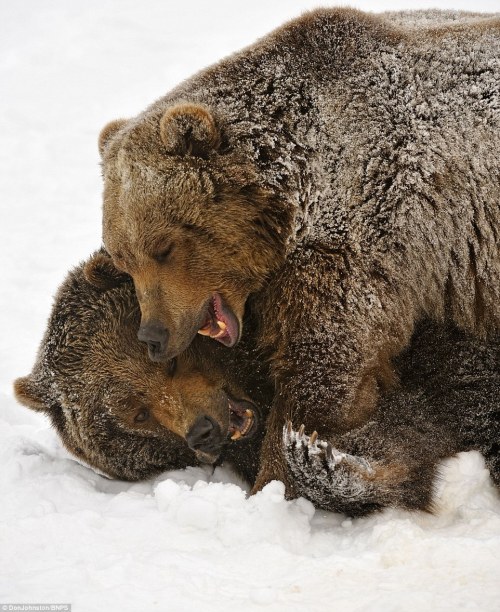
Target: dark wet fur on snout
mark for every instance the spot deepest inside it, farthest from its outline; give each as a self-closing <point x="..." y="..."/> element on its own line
<point x="155" y="335"/>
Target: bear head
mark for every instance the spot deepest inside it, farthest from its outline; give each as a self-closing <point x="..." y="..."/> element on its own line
<point x="114" y="408"/>
<point x="186" y="216"/>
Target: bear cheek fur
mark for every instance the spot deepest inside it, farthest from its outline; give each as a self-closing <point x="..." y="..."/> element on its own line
<point x="74" y="425"/>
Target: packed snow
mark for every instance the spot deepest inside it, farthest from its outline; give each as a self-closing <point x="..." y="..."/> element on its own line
<point x="192" y="539"/>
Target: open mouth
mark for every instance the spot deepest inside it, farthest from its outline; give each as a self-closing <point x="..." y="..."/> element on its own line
<point x="220" y="322"/>
<point x="242" y="419"/>
<point x="243" y="424"/>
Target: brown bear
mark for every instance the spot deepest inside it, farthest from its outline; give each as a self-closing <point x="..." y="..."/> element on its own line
<point x="120" y="412"/>
<point x="339" y="179"/>
<point x="131" y="418"/>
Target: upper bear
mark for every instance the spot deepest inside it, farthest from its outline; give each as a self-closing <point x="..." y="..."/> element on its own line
<point x="340" y="179"/>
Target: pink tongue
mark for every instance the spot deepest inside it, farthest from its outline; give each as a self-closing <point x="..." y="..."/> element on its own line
<point x="227" y="325"/>
<point x="223" y="327"/>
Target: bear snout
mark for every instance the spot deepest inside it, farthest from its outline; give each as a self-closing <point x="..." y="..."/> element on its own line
<point x="205" y="438"/>
<point x="156" y="336"/>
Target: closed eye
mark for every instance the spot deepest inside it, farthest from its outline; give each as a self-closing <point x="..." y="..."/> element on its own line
<point x="164" y="255"/>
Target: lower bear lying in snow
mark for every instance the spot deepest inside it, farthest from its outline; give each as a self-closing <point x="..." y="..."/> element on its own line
<point x="132" y="418"/>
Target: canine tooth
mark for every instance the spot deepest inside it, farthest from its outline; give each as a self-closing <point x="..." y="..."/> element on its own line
<point x="248" y="413"/>
<point x="301" y="430"/>
<point x="289" y="427"/>
<point x="204" y="332"/>
<point x="222" y="325"/>
<point x="313" y="438"/>
<point x="236" y="435"/>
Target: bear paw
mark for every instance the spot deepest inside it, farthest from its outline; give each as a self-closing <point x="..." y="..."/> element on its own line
<point x="311" y="450"/>
<point x="330" y="479"/>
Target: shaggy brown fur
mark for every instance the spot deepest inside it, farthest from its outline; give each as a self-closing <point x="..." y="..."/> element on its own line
<point x="340" y="178"/>
<point x="116" y="410"/>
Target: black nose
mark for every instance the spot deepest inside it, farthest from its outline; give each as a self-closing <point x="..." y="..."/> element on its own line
<point x="155" y="335"/>
<point x="205" y="435"/>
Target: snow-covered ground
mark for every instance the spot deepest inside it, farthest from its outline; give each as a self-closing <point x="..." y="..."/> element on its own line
<point x="188" y="540"/>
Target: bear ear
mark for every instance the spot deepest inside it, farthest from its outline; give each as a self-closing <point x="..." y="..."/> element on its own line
<point x="108" y="131"/>
<point x="100" y="271"/>
<point x="29" y="394"/>
<point x="189" y="129"/>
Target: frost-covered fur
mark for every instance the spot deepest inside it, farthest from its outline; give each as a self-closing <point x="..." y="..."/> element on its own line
<point x="434" y="18"/>
<point x="340" y="178"/>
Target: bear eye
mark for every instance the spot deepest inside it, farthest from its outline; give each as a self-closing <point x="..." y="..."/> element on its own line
<point x="164" y="255"/>
<point x="172" y="366"/>
<point x="141" y="416"/>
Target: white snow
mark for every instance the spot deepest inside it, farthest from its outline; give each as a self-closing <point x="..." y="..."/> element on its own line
<point x="189" y="540"/>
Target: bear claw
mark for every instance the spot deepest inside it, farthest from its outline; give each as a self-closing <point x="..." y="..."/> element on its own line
<point x="314" y="446"/>
<point x="331" y="479"/>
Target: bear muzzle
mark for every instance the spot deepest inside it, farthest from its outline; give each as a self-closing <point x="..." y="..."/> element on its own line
<point x="155" y="335"/>
<point x="205" y="437"/>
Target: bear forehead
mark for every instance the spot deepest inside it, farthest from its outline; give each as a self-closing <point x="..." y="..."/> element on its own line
<point x="139" y="146"/>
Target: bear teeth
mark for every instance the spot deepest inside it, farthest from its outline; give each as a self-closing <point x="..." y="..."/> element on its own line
<point x="223" y="327"/>
<point x="248" y="419"/>
<point x="211" y="325"/>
